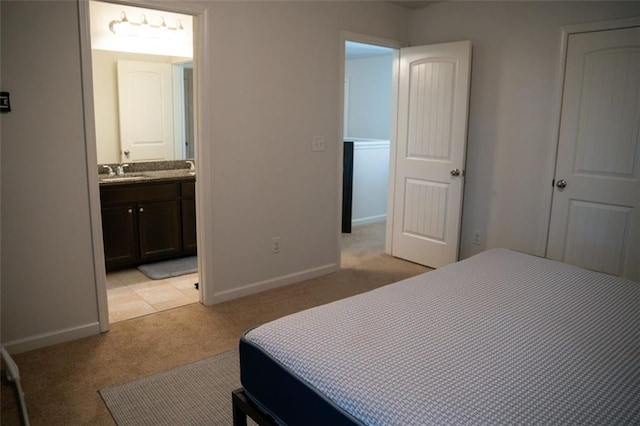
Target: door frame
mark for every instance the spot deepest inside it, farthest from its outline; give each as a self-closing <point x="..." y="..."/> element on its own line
<point x="385" y="42"/>
<point x="552" y="158"/>
<point x="201" y="22"/>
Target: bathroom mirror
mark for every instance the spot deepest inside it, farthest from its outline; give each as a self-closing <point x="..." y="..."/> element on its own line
<point x="143" y="83"/>
<point x="143" y="107"/>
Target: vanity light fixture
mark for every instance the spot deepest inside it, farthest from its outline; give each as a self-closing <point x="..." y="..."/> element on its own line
<point x="143" y="28"/>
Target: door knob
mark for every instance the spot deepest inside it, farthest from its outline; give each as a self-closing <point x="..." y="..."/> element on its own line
<point x="127" y="152"/>
<point x="455" y="172"/>
<point x="561" y="184"/>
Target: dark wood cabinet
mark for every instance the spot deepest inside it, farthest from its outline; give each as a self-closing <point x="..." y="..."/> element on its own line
<point x="189" y="243"/>
<point x="119" y="235"/>
<point x="147" y="222"/>
<point x="159" y="229"/>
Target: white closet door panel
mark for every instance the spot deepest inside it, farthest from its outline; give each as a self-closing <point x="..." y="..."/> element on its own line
<point x="597" y="236"/>
<point x="595" y="218"/>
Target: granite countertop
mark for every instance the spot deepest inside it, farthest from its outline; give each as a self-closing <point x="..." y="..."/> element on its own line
<point x="141" y="173"/>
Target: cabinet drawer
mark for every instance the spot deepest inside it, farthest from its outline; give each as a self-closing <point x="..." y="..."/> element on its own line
<point x="139" y="193"/>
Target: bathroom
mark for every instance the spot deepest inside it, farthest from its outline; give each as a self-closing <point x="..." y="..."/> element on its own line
<point x="142" y="72"/>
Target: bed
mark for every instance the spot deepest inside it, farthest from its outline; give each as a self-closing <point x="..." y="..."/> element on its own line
<point x="500" y="338"/>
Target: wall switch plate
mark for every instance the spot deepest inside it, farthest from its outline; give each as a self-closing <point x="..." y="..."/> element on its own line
<point x="275" y="245"/>
<point x="318" y="144"/>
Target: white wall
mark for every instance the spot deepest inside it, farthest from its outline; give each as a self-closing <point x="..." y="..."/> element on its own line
<point x="102" y="38"/>
<point x="274" y="84"/>
<point x="369" y="97"/>
<point x="370" y="181"/>
<point x="48" y="286"/>
<point x="369" y="117"/>
<point x="105" y="94"/>
<point x="510" y="164"/>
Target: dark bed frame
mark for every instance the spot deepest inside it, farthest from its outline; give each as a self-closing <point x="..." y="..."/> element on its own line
<point x="243" y="407"/>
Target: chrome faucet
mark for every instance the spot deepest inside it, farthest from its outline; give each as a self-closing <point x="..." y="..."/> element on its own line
<point x="120" y="169"/>
<point x="109" y="170"/>
<point x="192" y="167"/>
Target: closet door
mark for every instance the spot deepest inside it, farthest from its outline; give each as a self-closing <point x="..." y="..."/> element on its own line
<point x="595" y="218"/>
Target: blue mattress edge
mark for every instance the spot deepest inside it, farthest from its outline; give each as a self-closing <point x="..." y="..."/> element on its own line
<point x="287" y="397"/>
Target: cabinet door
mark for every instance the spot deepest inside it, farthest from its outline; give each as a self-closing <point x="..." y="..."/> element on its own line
<point x="159" y="229"/>
<point x="119" y="235"/>
<point x="189" y="244"/>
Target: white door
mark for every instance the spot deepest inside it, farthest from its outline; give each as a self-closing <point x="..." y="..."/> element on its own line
<point x="433" y="98"/>
<point x="595" y="217"/>
<point x="145" y="97"/>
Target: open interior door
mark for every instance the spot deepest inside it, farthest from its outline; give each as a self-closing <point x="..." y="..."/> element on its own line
<point x="433" y="99"/>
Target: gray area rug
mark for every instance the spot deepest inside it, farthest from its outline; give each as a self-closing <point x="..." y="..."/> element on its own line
<point x="170" y="268"/>
<point x="193" y="394"/>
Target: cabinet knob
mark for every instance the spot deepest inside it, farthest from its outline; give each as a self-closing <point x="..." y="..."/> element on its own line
<point x="130" y="211"/>
<point x="141" y="210"/>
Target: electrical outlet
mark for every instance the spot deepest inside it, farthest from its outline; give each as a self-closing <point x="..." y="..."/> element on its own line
<point x="477" y="237"/>
<point x="275" y="245"/>
<point x="317" y="144"/>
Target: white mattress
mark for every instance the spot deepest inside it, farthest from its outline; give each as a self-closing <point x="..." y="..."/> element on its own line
<point x="500" y="338"/>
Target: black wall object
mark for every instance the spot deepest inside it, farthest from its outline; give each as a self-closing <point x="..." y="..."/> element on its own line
<point x="5" y="105"/>
<point x="347" y="187"/>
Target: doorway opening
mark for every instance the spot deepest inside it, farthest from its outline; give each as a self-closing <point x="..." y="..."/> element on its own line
<point x="428" y="147"/>
<point x="142" y="63"/>
<point x="367" y="134"/>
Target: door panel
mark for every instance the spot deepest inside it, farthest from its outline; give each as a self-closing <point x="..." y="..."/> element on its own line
<point x="430" y="114"/>
<point x="433" y="97"/>
<point x="425" y="209"/>
<point x="597" y="235"/>
<point x="595" y="219"/>
<point x="118" y="229"/>
<point x="145" y="96"/>
<point x="160" y="229"/>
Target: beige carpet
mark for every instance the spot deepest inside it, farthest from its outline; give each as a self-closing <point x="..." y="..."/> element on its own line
<point x="61" y="382"/>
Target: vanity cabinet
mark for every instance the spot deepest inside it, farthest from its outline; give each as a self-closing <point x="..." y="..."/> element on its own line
<point x="159" y="230"/>
<point x="146" y="222"/>
<point x="119" y="235"/>
<point x="189" y="243"/>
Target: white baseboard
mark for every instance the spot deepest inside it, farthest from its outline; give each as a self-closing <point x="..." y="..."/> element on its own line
<point x="368" y="220"/>
<point x="52" y="338"/>
<point x="269" y="284"/>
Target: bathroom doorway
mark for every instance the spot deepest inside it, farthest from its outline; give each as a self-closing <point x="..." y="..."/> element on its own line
<point x="129" y="292"/>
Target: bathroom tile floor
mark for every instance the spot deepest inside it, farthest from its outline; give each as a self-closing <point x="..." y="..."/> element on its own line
<point x="132" y="294"/>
